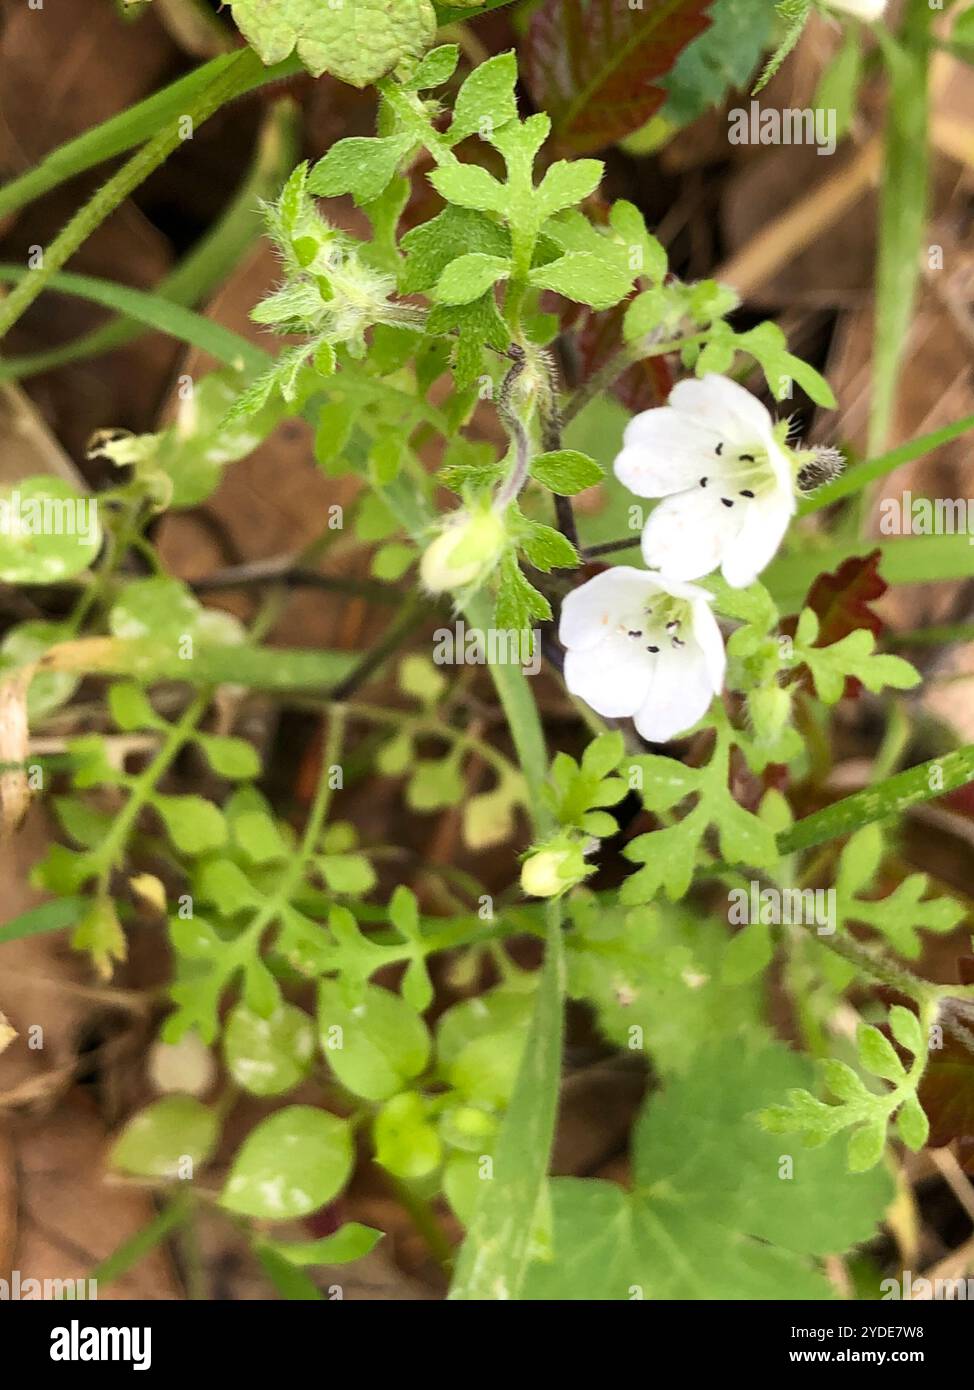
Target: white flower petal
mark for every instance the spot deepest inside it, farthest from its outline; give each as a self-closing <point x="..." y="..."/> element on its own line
<point x="613" y="677"/>
<point x="679" y="588"/>
<point x="680" y="694"/>
<point x="685" y="536"/>
<point x="666" y="451"/>
<point x="593" y="611"/>
<point x="721" y="405"/>
<point x="709" y="638"/>
<point x="781" y="468"/>
<point x="765" y="521"/>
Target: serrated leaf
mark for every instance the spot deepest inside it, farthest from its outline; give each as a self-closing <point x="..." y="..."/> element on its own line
<point x="698" y="1228"/>
<point x="434" y="69"/>
<point x="358" y="41"/>
<point x="720" y="59"/>
<point x="470" y="186"/>
<point x="548" y="549"/>
<point x="566" y="471"/>
<point x="567" y="183"/>
<point x="360" y="166"/>
<point x="432" y="246"/>
<point x="486" y="101"/>
<point x="469" y="277"/>
<point x="583" y="277"/>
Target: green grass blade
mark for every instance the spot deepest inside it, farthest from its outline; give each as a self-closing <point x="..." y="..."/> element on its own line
<point x="904" y="560"/>
<point x="153" y="312"/>
<point x="52" y="916"/>
<point x="126" y="130"/>
<point x="865" y="473"/>
<point x="903" y="206"/>
<point x="495" y="1255"/>
<point x="258" y="668"/>
<point x="206" y="265"/>
<point x="131" y="1251"/>
<point x="891" y="797"/>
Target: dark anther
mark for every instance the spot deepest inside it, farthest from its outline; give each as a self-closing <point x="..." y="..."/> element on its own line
<point x="635" y="634"/>
<point x="727" y="502"/>
<point x="654" y="650"/>
<point x="747" y="492"/>
<point x="703" y="482"/>
<point x="720" y="450"/>
<point x="748" y="458"/>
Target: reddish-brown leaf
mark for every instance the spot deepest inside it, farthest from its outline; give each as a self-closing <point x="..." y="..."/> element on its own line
<point x="841" y="603"/>
<point x="947" y="1089"/>
<point x="841" y="600"/>
<point x="597" y="338"/>
<point x="593" y="65"/>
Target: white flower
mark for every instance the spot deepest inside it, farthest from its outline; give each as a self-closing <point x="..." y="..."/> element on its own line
<point x="728" y="485"/>
<point x="868" y="10"/>
<point x="645" y="646"/>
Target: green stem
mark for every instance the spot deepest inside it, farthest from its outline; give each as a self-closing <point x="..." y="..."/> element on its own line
<point x="249" y="941"/>
<point x="234" y="78"/>
<point x="888" y="798"/>
<point x="393" y="718"/>
<point x="205" y="265"/>
<point x="131" y="1251"/>
<point x="611" y="371"/>
<point x="903" y="204"/>
<point x="144" y="785"/>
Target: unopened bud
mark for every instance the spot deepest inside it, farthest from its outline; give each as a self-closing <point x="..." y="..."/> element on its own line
<point x="465" y="551"/>
<point x="549" y="872"/>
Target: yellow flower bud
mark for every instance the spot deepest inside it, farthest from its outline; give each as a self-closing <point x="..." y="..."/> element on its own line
<point x="540" y="877"/>
<point x="465" y="551"/>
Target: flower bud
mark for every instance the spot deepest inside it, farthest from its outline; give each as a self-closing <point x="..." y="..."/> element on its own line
<point x="770" y="709"/>
<point x="464" y="552"/>
<point x="553" y="868"/>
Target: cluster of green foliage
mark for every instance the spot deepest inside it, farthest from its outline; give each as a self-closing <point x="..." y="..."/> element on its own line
<point x="462" y="1108"/>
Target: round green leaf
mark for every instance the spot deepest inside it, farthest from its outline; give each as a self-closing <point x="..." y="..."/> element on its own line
<point x="159" y="607"/>
<point x="268" y="1055"/>
<point x="158" y="1141"/>
<point x="48" y="532"/>
<point x="375" y="1046"/>
<point x="194" y="824"/>
<point x="24" y="644"/>
<point x="290" y="1165"/>
<point x="405" y="1142"/>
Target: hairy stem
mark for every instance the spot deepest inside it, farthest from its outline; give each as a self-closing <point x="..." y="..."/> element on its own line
<point x="234" y="78"/>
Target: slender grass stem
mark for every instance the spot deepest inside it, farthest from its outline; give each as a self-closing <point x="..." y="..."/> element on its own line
<point x="234" y="78"/>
